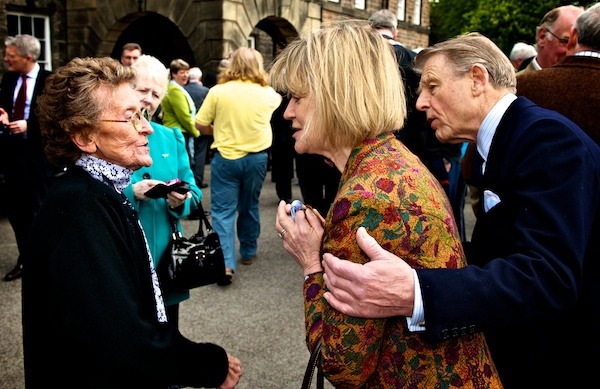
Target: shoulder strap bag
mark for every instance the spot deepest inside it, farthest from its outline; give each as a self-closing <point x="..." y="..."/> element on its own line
<point x="314" y="362"/>
<point x="190" y="263"/>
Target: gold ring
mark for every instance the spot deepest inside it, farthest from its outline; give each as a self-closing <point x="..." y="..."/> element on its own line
<point x="281" y="233"/>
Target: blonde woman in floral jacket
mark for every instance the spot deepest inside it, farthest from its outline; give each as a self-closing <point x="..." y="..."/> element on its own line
<point x="385" y="189"/>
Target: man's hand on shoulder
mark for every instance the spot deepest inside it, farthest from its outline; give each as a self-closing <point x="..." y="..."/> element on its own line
<point x="381" y="288"/>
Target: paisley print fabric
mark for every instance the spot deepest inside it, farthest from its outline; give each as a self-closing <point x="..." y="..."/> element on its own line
<point x="387" y="190"/>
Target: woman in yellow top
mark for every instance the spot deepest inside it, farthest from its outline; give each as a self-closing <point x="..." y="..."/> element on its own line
<point x="385" y="189"/>
<point x="237" y="113"/>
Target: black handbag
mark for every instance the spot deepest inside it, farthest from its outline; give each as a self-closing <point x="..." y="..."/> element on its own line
<point x="190" y="263"/>
<point x="314" y="362"/>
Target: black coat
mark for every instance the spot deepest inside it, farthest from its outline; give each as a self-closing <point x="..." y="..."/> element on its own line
<point x="89" y="311"/>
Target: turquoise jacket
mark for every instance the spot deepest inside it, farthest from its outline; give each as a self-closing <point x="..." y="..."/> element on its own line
<point x="169" y="160"/>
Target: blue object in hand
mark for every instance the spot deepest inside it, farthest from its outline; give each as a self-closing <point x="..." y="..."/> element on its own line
<point x="296" y="206"/>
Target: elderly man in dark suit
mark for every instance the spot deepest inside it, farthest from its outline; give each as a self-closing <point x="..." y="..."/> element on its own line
<point x="533" y="283"/>
<point x="572" y="86"/>
<point x="26" y="170"/>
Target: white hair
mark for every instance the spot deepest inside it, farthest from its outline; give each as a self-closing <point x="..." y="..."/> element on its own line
<point x="522" y="51"/>
<point x="195" y="74"/>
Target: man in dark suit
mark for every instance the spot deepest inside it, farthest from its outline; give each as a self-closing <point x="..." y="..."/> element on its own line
<point x="572" y="86"/>
<point x="551" y="44"/>
<point x="22" y="160"/>
<point x="533" y="279"/>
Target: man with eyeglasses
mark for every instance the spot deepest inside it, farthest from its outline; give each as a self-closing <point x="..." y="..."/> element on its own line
<point x="572" y="86"/>
<point x="552" y="36"/>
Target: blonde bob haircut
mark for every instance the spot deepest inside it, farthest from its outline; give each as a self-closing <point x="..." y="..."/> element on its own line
<point x="351" y="74"/>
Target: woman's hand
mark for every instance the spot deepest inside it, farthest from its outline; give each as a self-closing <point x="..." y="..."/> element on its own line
<point x="235" y="373"/>
<point x="301" y="238"/>
<point x="141" y="187"/>
<point x="175" y="199"/>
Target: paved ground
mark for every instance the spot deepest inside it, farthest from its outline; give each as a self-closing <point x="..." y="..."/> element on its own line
<point x="259" y="318"/>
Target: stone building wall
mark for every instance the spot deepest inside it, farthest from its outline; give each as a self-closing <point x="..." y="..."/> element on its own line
<point x="200" y="31"/>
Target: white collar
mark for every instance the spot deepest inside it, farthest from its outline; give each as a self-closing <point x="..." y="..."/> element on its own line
<point x="488" y="127"/>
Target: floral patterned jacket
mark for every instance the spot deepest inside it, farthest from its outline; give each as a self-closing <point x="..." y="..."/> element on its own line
<point x="387" y="190"/>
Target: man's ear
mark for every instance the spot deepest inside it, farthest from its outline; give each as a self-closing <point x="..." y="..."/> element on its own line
<point x="573" y="41"/>
<point x="479" y="77"/>
<point x="84" y="142"/>
<point x="541" y="37"/>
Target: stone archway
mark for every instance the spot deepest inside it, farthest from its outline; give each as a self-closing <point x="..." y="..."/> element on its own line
<point x="271" y="35"/>
<point x="201" y="32"/>
<point x="158" y="36"/>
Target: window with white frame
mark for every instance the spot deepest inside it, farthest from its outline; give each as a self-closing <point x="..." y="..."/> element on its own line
<point x="35" y="25"/>
<point x="359" y="4"/>
<point x="401" y="10"/>
<point x="417" y="13"/>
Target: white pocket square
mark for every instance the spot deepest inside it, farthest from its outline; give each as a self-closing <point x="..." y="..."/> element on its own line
<point x="490" y="200"/>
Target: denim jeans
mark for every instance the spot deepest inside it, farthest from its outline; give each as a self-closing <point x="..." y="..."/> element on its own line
<point x="235" y="187"/>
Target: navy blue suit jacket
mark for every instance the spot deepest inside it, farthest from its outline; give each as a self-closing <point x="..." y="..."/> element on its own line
<point x="533" y="283"/>
<point x="7" y="88"/>
<point x="24" y="158"/>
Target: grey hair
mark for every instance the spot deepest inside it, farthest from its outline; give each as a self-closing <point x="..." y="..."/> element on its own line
<point x="522" y="50"/>
<point x="384" y="18"/>
<point x="587" y="26"/>
<point x="25" y="44"/>
<point x="195" y="73"/>
<point x="470" y="49"/>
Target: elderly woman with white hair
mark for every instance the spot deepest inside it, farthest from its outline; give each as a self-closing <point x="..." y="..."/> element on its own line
<point x="170" y="161"/>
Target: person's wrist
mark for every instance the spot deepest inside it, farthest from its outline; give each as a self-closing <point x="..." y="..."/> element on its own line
<point x="317" y="268"/>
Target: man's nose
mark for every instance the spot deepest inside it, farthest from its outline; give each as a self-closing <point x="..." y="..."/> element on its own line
<point x="421" y="105"/>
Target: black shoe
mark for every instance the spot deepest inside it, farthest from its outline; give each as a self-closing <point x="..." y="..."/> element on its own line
<point x="203" y="186"/>
<point x="15" y="273"/>
<point x="227" y="279"/>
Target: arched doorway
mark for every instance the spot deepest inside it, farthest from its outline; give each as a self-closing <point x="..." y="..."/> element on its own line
<point x="158" y="37"/>
<point x="279" y="32"/>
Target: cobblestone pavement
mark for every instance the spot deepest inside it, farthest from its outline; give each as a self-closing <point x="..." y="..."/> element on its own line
<point x="259" y="318"/>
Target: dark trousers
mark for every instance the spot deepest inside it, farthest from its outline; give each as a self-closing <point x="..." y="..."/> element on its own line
<point x="27" y="176"/>
<point x="201" y="144"/>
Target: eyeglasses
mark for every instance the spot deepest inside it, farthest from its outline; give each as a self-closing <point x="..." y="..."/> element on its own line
<point x="562" y="41"/>
<point x="135" y="120"/>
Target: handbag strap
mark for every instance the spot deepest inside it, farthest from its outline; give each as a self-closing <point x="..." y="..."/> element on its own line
<point x="203" y="221"/>
<point x="314" y="362"/>
<point x="175" y="232"/>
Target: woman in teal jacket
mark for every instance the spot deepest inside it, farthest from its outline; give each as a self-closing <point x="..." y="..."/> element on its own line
<point x="170" y="160"/>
